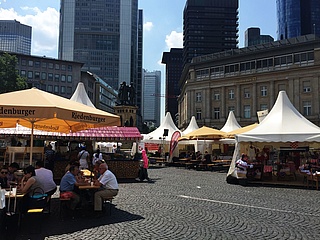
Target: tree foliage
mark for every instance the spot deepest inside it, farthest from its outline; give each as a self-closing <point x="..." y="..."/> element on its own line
<point x="10" y="80"/>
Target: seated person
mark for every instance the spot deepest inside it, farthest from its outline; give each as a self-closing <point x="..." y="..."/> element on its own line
<point x="96" y="173"/>
<point x="242" y="165"/>
<point x="108" y="186"/>
<point x="68" y="183"/>
<point x="13" y="167"/>
<point x="28" y="185"/>
<point x="3" y="177"/>
<point x="45" y="176"/>
<point x="207" y="158"/>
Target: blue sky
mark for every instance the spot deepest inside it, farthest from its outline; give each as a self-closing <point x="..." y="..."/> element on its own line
<point x="162" y="24"/>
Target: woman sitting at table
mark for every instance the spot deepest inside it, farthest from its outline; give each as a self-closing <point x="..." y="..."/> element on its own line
<point x="3" y="178"/>
<point x="29" y="185"/>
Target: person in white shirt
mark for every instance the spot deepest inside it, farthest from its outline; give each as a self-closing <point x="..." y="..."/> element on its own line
<point x="45" y="176"/>
<point x="83" y="157"/>
<point x="97" y="156"/>
<point x="108" y="186"/>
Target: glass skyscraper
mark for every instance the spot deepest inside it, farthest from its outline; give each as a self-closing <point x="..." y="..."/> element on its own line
<point x="209" y="26"/>
<point x="15" y="37"/>
<point x="103" y="35"/>
<point x="297" y="18"/>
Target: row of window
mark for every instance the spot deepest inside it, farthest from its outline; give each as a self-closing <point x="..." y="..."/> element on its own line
<point x="46" y="76"/>
<point x="306" y="106"/>
<point x="48" y="65"/>
<point x="247" y="93"/>
<point x="256" y="64"/>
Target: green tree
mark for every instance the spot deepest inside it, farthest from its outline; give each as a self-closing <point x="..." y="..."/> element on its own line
<point x="10" y="80"/>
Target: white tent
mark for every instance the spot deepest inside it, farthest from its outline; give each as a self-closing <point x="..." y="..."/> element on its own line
<point x="157" y="135"/>
<point x="231" y="123"/>
<point x="284" y="123"/>
<point x="80" y="95"/>
<point x="191" y="127"/>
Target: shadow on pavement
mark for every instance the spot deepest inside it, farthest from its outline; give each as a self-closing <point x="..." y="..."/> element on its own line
<point x="53" y="225"/>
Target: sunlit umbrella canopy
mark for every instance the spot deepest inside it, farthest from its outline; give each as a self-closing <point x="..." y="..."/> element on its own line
<point x="241" y="130"/>
<point x="41" y="110"/>
<point x="204" y="133"/>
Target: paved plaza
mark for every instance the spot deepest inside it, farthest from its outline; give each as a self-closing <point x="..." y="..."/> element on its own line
<point x="188" y="204"/>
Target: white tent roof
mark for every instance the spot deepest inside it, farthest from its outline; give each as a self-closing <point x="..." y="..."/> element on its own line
<point x="80" y="95"/>
<point x="231" y="123"/>
<point x="283" y="124"/>
<point x="191" y="127"/>
<point x="154" y="136"/>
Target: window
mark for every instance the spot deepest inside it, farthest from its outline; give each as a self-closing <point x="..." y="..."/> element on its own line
<point x="306" y="108"/>
<point x="44" y="64"/>
<point x="23" y="62"/>
<point x="23" y="73"/>
<point x="57" y="66"/>
<point x="50" y="76"/>
<point x="216" y="96"/>
<point x="30" y="63"/>
<point x="49" y="89"/>
<point x="69" y="90"/>
<point x="30" y="74"/>
<point x="56" y="77"/>
<point x="43" y="76"/>
<point x="216" y="112"/>
<point x="263" y="91"/>
<point x="247" y="111"/>
<point x="69" y="68"/>
<point x="263" y="107"/>
<point x="36" y="75"/>
<point x="69" y="79"/>
<point x="306" y="86"/>
<point x="63" y="78"/>
<point x="63" y="67"/>
<point x="63" y="89"/>
<point x="231" y="94"/>
<point x="50" y="65"/>
<point x="56" y="88"/>
<point x="198" y="97"/>
<point x="198" y="114"/>
<point x="246" y="93"/>
<point x="37" y="64"/>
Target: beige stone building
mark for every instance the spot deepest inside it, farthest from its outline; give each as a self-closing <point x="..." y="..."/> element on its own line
<point x="248" y="80"/>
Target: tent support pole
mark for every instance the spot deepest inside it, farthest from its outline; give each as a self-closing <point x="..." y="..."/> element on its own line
<point x="31" y="143"/>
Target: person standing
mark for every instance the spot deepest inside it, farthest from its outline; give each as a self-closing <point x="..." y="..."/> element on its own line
<point x="96" y="156"/>
<point x="143" y="174"/>
<point x="83" y="157"/>
<point x="108" y="186"/>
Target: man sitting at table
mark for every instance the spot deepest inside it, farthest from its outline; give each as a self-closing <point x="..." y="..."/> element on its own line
<point x="108" y="186"/>
<point x="68" y="183"/>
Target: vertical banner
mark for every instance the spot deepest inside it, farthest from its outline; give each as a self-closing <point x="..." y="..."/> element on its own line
<point x="174" y="141"/>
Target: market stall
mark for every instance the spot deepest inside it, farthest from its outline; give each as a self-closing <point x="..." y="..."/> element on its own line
<point x="284" y="128"/>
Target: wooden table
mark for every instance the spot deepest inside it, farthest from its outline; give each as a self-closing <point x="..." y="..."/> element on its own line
<point x="88" y="187"/>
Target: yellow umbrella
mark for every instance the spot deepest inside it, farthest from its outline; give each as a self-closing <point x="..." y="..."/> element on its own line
<point x="204" y="133"/>
<point x="41" y="110"/>
<point x="241" y="130"/>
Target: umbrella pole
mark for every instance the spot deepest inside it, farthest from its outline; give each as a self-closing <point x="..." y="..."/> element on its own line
<point x="31" y="142"/>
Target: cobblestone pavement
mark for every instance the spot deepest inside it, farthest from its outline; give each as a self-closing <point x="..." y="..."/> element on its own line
<point x="188" y="204"/>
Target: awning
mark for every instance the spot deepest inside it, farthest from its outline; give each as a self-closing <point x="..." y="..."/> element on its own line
<point x="97" y="134"/>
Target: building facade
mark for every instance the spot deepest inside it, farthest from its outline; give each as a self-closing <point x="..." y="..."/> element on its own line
<point x="248" y="80"/>
<point x="151" y="97"/>
<point x="253" y="37"/>
<point x="209" y="26"/>
<point x="298" y="18"/>
<point x="103" y="35"/>
<point x="15" y="37"/>
<point x="173" y="61"/>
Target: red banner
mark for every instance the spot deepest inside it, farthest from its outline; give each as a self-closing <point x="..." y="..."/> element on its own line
<point x="152" y="146"/>
<point x="174" y="141"/>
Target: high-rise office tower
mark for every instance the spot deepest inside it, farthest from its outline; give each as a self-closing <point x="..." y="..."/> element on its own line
<point x="209" y="26"/>
<point x="151" y="97"/>
<point x="253" y="37"/>
<point x="103" y="35"/>
<point x="15" y="37"/>
<point x="173" y="61"/>
<point x="297" y="18"/>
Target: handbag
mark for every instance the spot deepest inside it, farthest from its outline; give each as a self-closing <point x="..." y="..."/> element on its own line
<point x="38" y="199"/>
